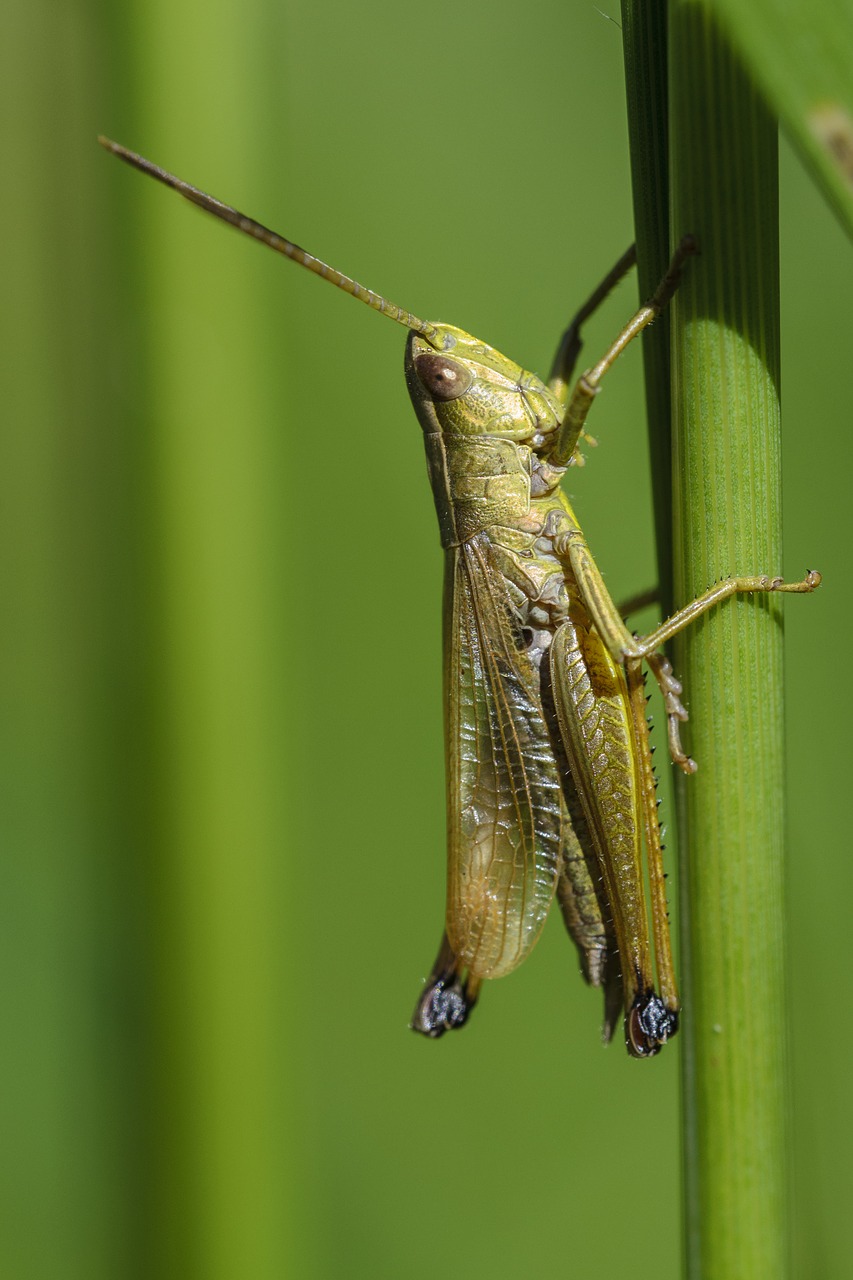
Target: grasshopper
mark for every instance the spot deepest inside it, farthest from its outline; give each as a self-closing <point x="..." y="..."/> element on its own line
<point x="550" y="787"/>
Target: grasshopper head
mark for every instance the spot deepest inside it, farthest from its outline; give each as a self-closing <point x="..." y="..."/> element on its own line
<point x="460" y="386"/>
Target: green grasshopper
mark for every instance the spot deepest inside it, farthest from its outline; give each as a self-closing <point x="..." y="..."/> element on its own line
<point x="550" y="787"/>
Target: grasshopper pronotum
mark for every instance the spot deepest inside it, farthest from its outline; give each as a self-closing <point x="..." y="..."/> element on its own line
<point x="550" y="788"/>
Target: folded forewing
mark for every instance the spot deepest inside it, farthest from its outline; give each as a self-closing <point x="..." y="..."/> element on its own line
<point x="504" y="808"/>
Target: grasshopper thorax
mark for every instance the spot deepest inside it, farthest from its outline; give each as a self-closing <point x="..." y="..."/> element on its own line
<point x="461" y="386"/>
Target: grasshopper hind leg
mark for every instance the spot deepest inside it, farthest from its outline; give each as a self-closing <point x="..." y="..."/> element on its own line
<point x="581" y="891"/>
<point x="447" y="999"/>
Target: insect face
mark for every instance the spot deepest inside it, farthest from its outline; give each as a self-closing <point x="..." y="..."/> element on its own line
<point x="459" y="386"/>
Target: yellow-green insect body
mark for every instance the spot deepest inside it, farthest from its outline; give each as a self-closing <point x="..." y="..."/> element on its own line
<point x="489" y="428"/>
<point x="550" y="790"/>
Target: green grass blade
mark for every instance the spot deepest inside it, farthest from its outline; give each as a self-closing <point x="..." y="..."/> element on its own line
<point x="222" y="1060"/>
<point x="727" y="520"/>
<point x="73" y="688"/>
<point x="801" y="57"/>
<point x="644" y="39"/>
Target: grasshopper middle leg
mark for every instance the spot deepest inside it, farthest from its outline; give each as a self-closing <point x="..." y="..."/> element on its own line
<point x="571" y="547"/>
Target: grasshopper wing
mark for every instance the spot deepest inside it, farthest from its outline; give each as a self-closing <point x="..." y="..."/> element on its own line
<point x="504" y="798"/>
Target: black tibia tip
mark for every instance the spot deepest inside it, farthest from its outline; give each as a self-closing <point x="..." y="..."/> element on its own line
<point x="648" y="1025"/>
<point x="444" y="1006"/>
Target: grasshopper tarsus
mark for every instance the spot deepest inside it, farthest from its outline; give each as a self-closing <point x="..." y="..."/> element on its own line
<point x="809" y="583"/>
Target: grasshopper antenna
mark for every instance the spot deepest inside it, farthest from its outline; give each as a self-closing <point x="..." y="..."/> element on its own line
<point x="279" y="243"/>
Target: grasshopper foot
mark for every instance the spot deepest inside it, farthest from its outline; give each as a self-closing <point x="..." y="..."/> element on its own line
<point x="676" y="713"/>
<point x="810" y="583"/>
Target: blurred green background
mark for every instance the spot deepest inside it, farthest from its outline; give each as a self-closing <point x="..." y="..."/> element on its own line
<point x="223" y="826"/>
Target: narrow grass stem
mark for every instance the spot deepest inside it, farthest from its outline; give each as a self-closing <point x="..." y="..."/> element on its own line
<point x="644" y="37"/>
<point x="726" y="474"/>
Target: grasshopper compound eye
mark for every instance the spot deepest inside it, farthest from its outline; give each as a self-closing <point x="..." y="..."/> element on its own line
<point x="444" y="379"/>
